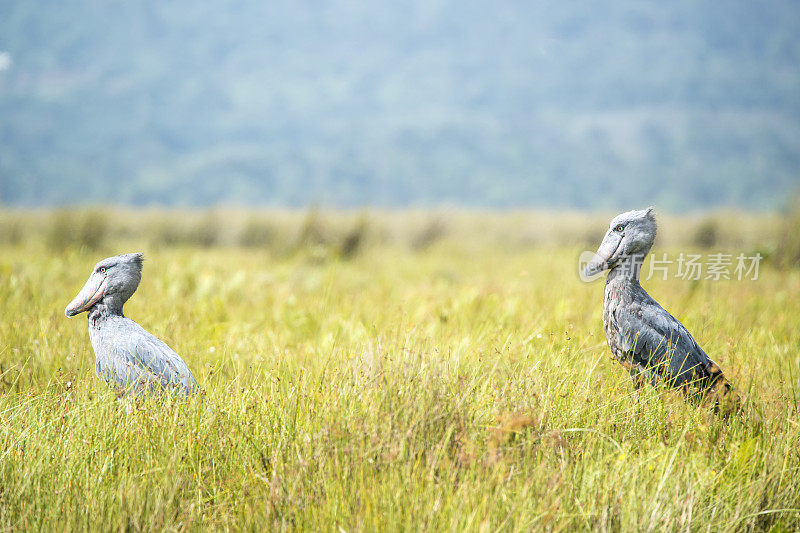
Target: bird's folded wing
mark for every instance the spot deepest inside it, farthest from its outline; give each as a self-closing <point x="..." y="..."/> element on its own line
<point x="141" y="360"/>
<point x="656" y="339"/>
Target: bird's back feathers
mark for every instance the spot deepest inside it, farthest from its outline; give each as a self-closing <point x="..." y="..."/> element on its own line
<point x="651" y="341"/>
<point x="133" y="359"/>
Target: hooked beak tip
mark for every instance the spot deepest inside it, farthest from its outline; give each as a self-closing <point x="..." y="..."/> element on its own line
<point x="591" y="264"/>
<point x="592" y="270"/>
<point x="90" y="294"/>
<point x="72" y="310"/>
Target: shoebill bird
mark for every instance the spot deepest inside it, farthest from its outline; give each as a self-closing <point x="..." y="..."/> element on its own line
<point x="643" y="337"/>
<point x="127" y="356"/>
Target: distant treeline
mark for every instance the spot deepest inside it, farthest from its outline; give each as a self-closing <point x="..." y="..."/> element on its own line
<point x="325" y="234"/>
<point x="550" y="104"/>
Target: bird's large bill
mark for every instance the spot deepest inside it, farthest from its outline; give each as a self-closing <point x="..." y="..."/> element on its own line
<point x="606" y="255"/>
<point x="89" y="295"/>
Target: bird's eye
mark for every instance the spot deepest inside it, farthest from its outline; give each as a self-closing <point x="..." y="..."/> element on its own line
<point x="102" y="269"/>
<point x="619" y="228"/>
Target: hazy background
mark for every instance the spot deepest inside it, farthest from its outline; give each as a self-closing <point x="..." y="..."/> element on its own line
<point x="583" y="104"/>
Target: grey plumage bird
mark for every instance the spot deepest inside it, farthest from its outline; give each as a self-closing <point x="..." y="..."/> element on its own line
<point x="127" y="356"/>
<point x="652" y="344"/>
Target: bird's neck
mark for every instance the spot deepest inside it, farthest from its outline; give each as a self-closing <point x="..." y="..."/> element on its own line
<point x="104" y="309"/>
<point x="627" y="270"/>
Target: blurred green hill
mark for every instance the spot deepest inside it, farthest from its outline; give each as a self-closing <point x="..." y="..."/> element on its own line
<point x="560" y="104"/>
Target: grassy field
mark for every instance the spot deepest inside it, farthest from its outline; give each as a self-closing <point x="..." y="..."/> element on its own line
<point x="442" y="383"/>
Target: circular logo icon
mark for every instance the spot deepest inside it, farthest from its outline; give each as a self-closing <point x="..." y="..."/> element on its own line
<point x="584" y="259"/>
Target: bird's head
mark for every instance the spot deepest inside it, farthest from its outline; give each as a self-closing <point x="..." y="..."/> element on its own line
<point x="629" y="234"/>
<point x="112" y="282"/>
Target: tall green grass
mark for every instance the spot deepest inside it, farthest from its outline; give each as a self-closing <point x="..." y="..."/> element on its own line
<point x="462" y="385"/>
